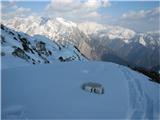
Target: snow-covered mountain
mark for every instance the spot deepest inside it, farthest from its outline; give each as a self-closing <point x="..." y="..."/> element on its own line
<point x="139" y="49"/>
<point x="111" y="32"/>
<point x="96" y="41"/>
<point x="59" y="29"/>
<point x="18" y="47"/>
<point x="54" y="91"/>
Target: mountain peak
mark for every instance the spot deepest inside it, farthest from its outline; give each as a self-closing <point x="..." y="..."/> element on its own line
<point x="66" y="22"/>
<point x="60" y="19"/>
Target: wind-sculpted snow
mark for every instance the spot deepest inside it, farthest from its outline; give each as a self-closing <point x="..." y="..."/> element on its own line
<point x="53" y="91"/>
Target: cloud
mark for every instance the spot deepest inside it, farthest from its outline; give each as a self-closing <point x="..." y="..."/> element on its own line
<point x="105" y="3"/>
<point x="141" y="21"/>
<point x="17" y="12"/>
<point x="77" y="9"/>
<point x="20" y="11"/>
<point x="11" y="10"/>
<point x="67" y="5"/>
<point x="61" y="5"/>
<point x="142" y="14"/>
<point x="7" y="4"/>
<point x="95" y="4"/>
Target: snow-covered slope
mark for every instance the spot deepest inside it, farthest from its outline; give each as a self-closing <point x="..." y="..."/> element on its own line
<point x="59" y="29"/>
<point x="18" y="47"/>
<point x="53" y="91"/>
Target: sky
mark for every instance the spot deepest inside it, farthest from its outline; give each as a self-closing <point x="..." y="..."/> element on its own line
<point x="141" y="16"/>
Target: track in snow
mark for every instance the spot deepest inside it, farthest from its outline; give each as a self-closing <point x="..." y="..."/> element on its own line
<point x="141" y="104"/>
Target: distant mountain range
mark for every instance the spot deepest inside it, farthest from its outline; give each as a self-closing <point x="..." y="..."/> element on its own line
<point x="96" y="41"/>
<point x="138" y="49"/>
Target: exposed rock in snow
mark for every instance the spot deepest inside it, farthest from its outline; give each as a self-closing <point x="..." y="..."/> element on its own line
<point x="34" y="49"/>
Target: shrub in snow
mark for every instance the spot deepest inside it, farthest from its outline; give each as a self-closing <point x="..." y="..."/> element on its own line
<point x="93" y="87"/>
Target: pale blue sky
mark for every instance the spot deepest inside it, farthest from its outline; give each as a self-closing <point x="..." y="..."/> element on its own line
<point x="116" y="8"/>
<point x="128" y="14"/>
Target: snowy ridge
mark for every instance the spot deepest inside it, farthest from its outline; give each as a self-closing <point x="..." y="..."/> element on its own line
<point x="35" y="49"/>
<point x="58" y="29"/>
<point x="112" y="32"/>
<point x="127" y="95"/>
